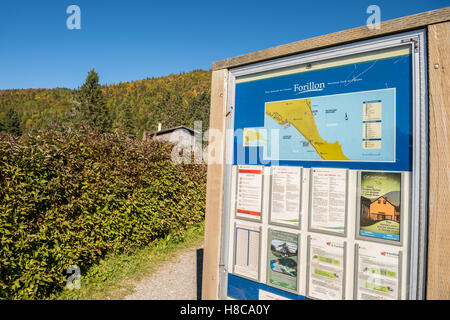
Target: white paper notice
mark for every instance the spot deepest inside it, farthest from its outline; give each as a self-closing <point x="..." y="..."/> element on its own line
<point x="326" y="268"/>
<point x="378" y="273"/>
<point x="328" y="199"/>
<point x="246" y="250"/>
<point x="285" y="197"/>
<point x="249" y="191"/>
<point x="266" y="295"/>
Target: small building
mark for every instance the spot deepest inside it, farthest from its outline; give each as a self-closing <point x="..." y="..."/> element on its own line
<point x="184" y="141"/>
<point x="181" y="136"/>
<point x="382" y="209"/>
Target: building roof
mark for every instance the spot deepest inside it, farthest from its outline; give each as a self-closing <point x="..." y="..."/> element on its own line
<point x="157" y="133"/>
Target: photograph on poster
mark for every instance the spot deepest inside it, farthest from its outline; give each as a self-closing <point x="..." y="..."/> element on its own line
<point x="285" y="196"/>
<point x="328" y="200"/>
<point x="246" y="250"/>
<point x="282" y="267"/>
<point x="326" y="268"/>
<point x="378" y="273"/>
<point x="380" y="205"/>
<point x="249" y="192"/>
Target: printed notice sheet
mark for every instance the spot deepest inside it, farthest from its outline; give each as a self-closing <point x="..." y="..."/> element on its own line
<point x="378" y="273"/>
<point x="285" y="197"/>
<point x="283" y="260"/>
<point x="266" y="295"/>
<point x="246" y="250"/>
<point x="249" y="191"/>
<point x="326" y="268"/>
<point x="328" y="199"/>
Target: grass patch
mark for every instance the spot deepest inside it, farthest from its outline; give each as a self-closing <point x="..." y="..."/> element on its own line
<point x="116" y="276"/>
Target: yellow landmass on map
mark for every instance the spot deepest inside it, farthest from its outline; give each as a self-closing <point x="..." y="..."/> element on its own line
<point x="253" y="135"/>
<point x="298" y="113"/>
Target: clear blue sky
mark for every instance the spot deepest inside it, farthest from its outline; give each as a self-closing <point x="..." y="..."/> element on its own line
<point x="136" y="39"/>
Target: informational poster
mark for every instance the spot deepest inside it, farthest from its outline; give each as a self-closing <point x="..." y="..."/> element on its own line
<point x="249" y="192"/>
<point x="328" y="200"/>
<point x="246" y="250"/>
<point x="378" y="273"/>
<point x="286" y="196"/>
<point x="266" y="295"/>
<point x="380" y="205"/>
<point x="353" y="111"/>
<point x="326" y="268"/>
<point x="282" y="259"/>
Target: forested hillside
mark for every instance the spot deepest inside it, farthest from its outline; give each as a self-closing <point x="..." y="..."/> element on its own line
<point x="177" y="99"/>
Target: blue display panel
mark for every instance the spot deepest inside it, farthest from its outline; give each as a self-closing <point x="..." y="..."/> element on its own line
<point x="355" y="116"/>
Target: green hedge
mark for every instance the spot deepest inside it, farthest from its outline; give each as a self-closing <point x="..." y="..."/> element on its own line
<point x="68" y="199"/>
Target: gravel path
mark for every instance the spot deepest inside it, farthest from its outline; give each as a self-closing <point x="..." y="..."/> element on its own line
<point x="177" y="279"/>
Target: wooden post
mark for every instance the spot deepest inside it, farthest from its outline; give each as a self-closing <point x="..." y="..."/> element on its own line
<point x="438" y="283"/>
<point x="214" y="191"/>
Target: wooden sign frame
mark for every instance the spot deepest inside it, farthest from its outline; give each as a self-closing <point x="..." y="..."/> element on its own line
<point x="437" y="26"/>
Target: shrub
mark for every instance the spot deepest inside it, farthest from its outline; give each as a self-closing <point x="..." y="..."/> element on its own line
<point x="70" y="198"/>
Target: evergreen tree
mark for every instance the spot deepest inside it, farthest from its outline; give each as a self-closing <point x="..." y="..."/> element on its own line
<point x="127" y="119"/>
<point x="91" y="104"/>
<point x="196" y="111"/>
<point x="12" y="122"/>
